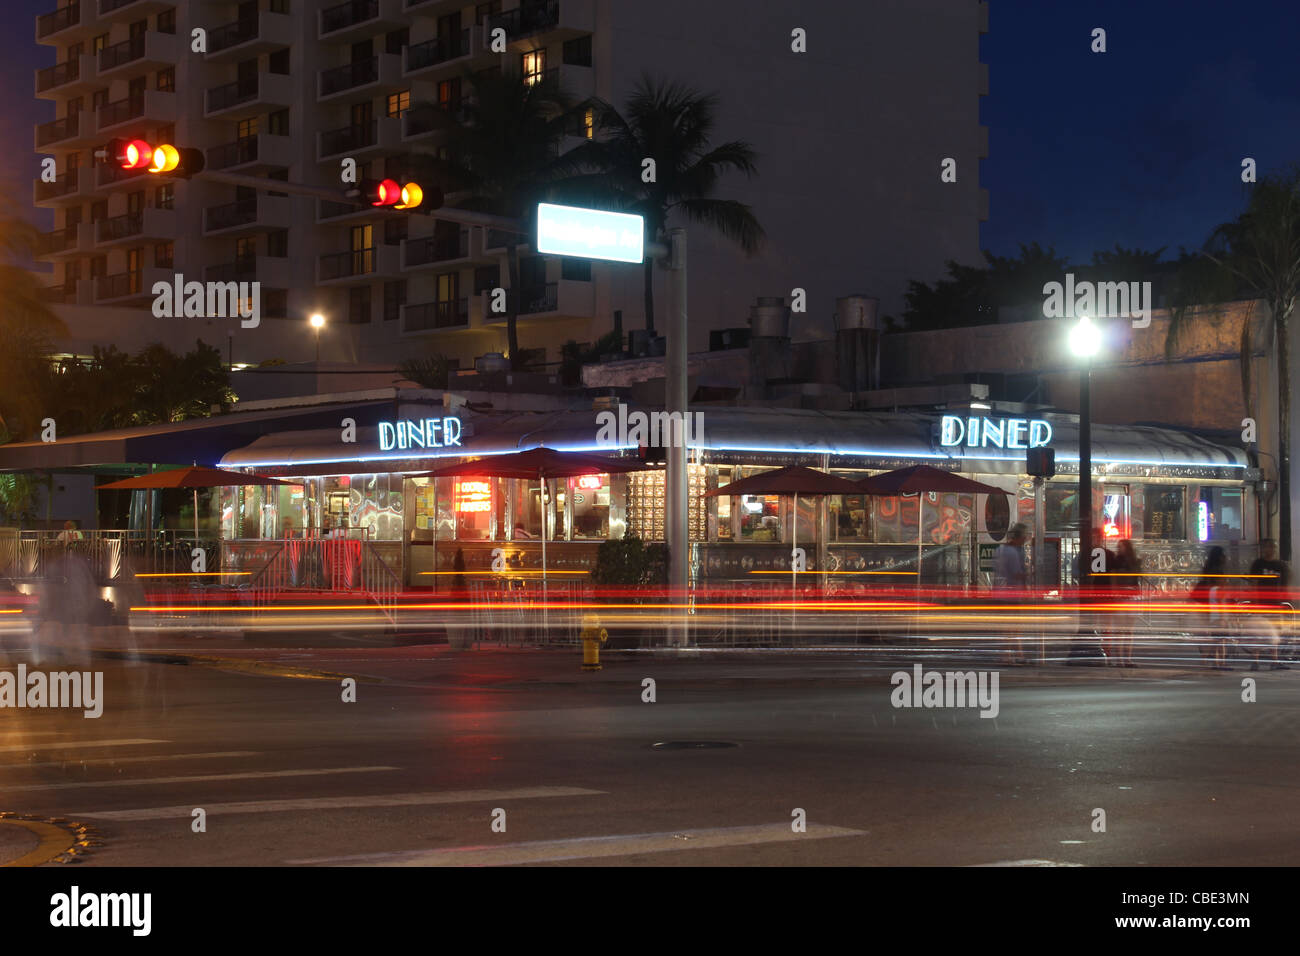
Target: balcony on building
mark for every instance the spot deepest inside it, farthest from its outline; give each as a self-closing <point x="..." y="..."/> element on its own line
<point x="111" y="176"/>
<point x="72" y="76"/>
<point x="145" y="51"/>
<point x="124" y="288"/>
<point x="247" y="216"/>
<point x="432" y="316"/>
<point x="248" y="153"/>
<point x="435" y="250"/>
<point x="133" y="227"/>
<point x="270" y="271"/>
<point x="558" y="19"/>
<point x="135" y="8"/>
<point x="443" y="52"/>
<point x="250" y="36"/>
<point x="424" y="119"/>
<point x="545" y="301"/>
<point x="72" y="187"/>
<point x="246" y="99"/>
<point x="67" y="131"/>
<point x="359" y="19"/>
<point x="359" y="265"/>
<point x="155" y="105"/>
<point x="368" y="75"/>
<point x="77" y="239"/>
<point x="70" y="292"/>
<point x="378" y="135"/>
<point x="60" y="20"/>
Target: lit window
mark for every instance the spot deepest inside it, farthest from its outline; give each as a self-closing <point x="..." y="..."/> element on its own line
<point x="247" y="128"/>
<point x="534" y="67"/>
<point x="589" y="122"/>
<point x="399" y="103"/>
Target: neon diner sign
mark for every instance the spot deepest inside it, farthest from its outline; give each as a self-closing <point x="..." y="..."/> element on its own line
<point x="421" y="433"/>
<point x="976" y="431"/>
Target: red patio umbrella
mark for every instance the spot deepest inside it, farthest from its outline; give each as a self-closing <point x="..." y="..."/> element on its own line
<point x="917" y="480"/>
<point x="196" y="477"/>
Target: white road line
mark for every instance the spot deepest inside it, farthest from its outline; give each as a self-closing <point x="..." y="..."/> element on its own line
<point x="73" y="744"/>
<point x="585" y="848"/>
<point x="1026" y="863"/>
<point x="204" y="778"/>
<point x="74" y="762"/>
<point x="343" y="803"/>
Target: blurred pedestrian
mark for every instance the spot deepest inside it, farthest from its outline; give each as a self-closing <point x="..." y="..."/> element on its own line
<point x="1101" y="560"/>
<point x="1271" y="593"/>
<point x="1010" y="576"/>
<point x="69" y="533"/>
<point x="1127" y="588"/>
<point x="1209" y="592"/>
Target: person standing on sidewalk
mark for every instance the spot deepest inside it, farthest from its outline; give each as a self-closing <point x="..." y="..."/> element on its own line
<point x="1271" y="594"/>
<point x="1128" y="588"/>
<point x="1010" y="576"/>
<point x="1208" y="591"/>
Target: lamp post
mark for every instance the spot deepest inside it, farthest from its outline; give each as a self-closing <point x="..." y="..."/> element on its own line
<point x="317" y="322"/>
<point x="1085" y="341"/>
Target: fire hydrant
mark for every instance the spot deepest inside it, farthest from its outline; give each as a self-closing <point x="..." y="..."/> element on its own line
<point x="593" y="635"/>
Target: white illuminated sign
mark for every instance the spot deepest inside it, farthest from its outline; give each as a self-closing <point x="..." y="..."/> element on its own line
<point x="590" y="233"/>
<point x="424" y="433"/>
<point x="976" y="431"/>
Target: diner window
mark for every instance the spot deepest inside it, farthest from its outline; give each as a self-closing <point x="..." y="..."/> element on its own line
<point x="1164" y="513"/>
<point x="1114" y="519"/>
<point x="849" y="517"/>
<point x="895" y="518"/>
<point x="1060" y="512"/>
<point x="590" y="495"/>
<point x="760" y="517"/>
<point x="1219" y="514"/>
<point x="527" y="510"/>
<point x="472" y="501"/>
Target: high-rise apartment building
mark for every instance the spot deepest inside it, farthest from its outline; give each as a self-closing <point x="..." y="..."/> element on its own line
<point x="851" y="133"/>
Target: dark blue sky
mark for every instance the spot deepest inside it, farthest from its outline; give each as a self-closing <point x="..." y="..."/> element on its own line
<point x="1141" y="145"/>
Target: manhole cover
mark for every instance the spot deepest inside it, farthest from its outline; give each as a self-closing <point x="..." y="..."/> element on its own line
<point x="692" y="745"/>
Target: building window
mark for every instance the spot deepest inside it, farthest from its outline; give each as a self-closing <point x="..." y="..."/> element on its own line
<point x="73" y="162"/>
<point x="246" y="128"/>
<point x="395" y="230"/>
<point x="359" y="305"/>
<point x="245" y="248"/>
<point x="490" y="9"/>
<point x="578" y="52"/>
<point x="532" y="272"/>
<point x="99" y="210"/>
<point x="98" y="266"/>
<point x="448" y="287"/>
<point x="1219" y="514"/>
<point x="486" y="278"/>
<point x="394" y="299"/>
<point x="164" y="196"/>
<point x="99" y="43"/>
<point x="277" y="123"/>
<point x="398" y="103"/>
<point x="534" y="67"/>
<point x="278" y="62"/>
<point x="575" y="270"/>
<point x="275" y="303"/>
<point x="277" y="244"/>
<point x="278" y="6"/>
<point x="449" y="93"/>
<point x="163" y="254"/>
<point x="166" y="134"/>
<point x="167" y="21"/>
<point x="281" y="174"/>
<point x="98" y="100"/>
<point x="393" y="42"/>
<point x="167" y="80"/>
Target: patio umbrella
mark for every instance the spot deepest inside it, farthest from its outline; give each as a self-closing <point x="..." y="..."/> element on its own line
<point x="195" y="477"/>
<point x="917" y="480"/>
<point x="540" y="463"/>
<point x="794" y="481"/>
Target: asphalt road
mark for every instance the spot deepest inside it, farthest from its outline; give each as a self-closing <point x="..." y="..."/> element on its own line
<point x="436" y="741"/>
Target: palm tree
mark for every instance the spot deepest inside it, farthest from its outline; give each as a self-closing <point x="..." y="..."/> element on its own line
<point x="502" y="151"/>
<point x="672" y="125"/>
<point x="1261" y="249"/>
<point x="21" y="290"/>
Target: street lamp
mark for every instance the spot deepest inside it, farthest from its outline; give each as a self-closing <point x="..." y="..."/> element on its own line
<point x="1085" y="342"/>
<point x="317" y="322"/>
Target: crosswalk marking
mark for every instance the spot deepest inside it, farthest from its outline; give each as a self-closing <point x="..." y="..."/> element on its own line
<point x="202" y="778"/>
<point x="73" y="744"/>
<point x="73" y="761"/>
<point x="585" y="848"/>
<point x="344" y="803"/>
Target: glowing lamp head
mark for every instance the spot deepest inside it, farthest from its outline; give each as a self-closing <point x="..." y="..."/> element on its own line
<point x="134" y="154"/>
<point x="387" y="193"/>
<point x="1085" y="338"/>
<point x="165" y="158"/>
<point x="412" y="195"/>
<point x="317" y="321"/>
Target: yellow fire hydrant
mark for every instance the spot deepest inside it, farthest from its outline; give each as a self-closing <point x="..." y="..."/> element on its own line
<point x="593" y="635"/>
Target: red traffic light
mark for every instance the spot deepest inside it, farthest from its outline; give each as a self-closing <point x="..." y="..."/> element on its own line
<point x="387" y="192"/>
<point x="130" y="153"/>
<point x="163" y="158"/>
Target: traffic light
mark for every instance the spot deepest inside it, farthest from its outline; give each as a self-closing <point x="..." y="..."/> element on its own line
<point x="163" y="158"/>
<point x="389" y="192"/>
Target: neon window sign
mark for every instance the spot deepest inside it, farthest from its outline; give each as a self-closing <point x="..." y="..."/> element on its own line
<point x="470" y="497"/>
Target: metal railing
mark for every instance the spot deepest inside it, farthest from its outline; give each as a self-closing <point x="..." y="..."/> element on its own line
<point x="56" y="130"/>
<point x="124" y="226"/>
<point x="62" y="186"/>
<point x="526" y="19"/>
<point x="437" y="248"/>
<point x="57" y="75"/>
<point x="348" y="14"/>
<point x="350" y="75"/>
<point x="231" y="94"/>
<point x="232" y="34"/>
<point x="244" y="268"/>
<point x="60" y="19"/>
<point x="121" y="111"/>
<point x="59" y="240"/>
<point x="438" y="50"/>
<point x="340" y="565"/>
<point x="241" y="212"/>
<point x="507" y="612"/>
<point x="242" y="150"/>
<point x="112" y="556"/>
<point x="347" y="138"/>
<point x="117" y="285"/>
<point x="107" y="173"/>
<point x="538" y="299"/>
<point x="435" y="315"/>
<point x="120" y="53"/>
<point x="341" y="265"/>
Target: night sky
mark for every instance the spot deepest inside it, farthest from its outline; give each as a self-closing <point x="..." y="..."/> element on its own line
<point x="1140" y="146"/>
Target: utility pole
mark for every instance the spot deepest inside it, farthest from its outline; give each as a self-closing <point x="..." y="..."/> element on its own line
<point x="676" y="525"/>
